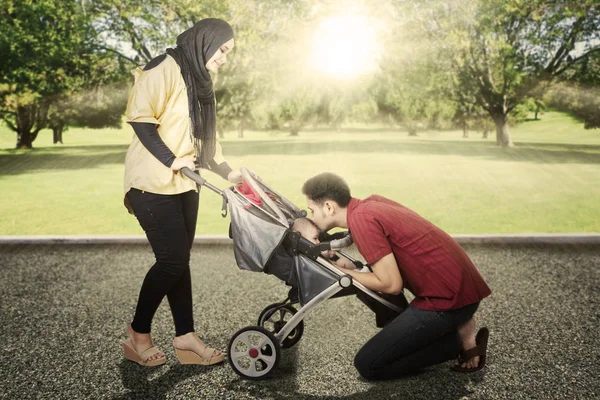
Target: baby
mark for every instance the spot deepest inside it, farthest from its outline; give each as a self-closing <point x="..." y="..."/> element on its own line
<point x="309" y="230"/>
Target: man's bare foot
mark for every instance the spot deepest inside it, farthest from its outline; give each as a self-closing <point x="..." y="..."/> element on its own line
<point x="191" y="342"/>
<point x="142" y="342"/>
<point x="466" y="332"/>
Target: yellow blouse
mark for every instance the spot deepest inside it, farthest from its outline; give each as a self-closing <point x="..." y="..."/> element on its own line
<point x="159" y="97"/>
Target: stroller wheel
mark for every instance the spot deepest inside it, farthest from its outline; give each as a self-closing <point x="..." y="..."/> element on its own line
<point x="274" y="317"/>
<point x="253" y="352"/>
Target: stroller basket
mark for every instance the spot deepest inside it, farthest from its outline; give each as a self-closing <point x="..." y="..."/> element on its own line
<point x="264" y="243"/>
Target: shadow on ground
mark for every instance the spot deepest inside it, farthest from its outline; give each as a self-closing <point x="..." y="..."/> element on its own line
<point x="64" y="310"/>
<point x="140" y="383"/>
<point x="87" y="157"/>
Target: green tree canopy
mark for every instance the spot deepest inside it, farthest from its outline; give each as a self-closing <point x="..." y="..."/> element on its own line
<point x="53" y="52"/>
<point x="500" y="51"/>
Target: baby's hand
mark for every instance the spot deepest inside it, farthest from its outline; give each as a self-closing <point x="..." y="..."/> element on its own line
<point x="327" y="254"/>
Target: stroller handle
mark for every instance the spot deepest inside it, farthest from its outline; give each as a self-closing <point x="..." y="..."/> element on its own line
<point x="200" y="180"/>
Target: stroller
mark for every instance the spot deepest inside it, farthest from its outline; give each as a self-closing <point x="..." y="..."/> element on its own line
<point x="263" y="242"/>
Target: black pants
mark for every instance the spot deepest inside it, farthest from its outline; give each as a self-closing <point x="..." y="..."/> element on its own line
<point x="414" y="340"/>
<point x="170" y="224"/>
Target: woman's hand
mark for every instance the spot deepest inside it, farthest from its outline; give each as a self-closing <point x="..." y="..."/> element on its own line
<point x="235" y="176"/>
<point x="186" y="161"/>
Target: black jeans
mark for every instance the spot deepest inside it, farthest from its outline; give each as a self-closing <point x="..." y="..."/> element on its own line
<point x="414" y="340"/>
<point x="170" y="224"/>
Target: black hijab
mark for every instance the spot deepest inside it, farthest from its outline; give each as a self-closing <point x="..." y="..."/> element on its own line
<point x="194" y="48"/>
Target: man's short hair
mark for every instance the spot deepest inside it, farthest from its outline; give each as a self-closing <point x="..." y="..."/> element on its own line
<point x="327" y="186"/>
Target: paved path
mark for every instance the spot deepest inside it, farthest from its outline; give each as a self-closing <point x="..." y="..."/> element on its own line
<point x="63" y="312"/>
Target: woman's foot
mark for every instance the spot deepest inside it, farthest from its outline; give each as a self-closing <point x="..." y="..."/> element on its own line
<point x="191" y="350"/>
<point x="141" y="342"/>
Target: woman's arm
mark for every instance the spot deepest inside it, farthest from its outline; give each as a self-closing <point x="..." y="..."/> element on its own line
<point x="223" y="169"/>
<point x="148" y="135"/>
<point x="219" y="166"/>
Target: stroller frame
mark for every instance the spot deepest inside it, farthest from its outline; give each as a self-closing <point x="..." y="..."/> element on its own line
<point x="267" y="349"/>
<point x="344" y="281"/>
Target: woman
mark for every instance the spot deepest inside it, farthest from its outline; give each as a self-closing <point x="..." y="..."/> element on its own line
<point x="171" y="108"/>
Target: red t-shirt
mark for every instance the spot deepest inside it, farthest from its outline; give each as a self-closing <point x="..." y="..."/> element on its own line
<point x="433" y="266"/>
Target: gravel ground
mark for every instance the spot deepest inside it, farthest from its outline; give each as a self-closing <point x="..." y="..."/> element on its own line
<point x="64" y="310"/>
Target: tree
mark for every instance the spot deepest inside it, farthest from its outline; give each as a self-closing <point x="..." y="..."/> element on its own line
<point x="249" y="77"/>
<point x="580" y="101"/>
<point x="100" y="107"/>
<point x="482" y="122"/>
<point x="463" y="116"/>
<point x="500" y="51"/>
<point x="538" y="107"/>
<point x="340" y="102"/>
<point x="53" y="51"/>
<point x="139" y="30"/>
<point x="298" y="109"/>
<point x="578" y="92"/>
<point x="411" y="95"/>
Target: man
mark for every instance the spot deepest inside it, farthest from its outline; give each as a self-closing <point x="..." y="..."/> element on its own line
<point x="407" y="251"/>
<point x="309" y="230"/>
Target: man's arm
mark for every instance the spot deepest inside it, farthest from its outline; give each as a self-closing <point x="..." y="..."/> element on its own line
<point x="340" y="262"/>
<point x="343" y="262"/>
<point x="385" y="277"/>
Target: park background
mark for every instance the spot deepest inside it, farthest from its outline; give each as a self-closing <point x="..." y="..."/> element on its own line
<point x="479" y="115"/>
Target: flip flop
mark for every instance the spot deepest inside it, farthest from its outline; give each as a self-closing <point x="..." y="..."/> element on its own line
<point x="480" y="350"/>
<point x="142" y="358"/>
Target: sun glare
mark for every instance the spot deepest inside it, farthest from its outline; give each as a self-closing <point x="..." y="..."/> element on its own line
<point x="345" y="47"/>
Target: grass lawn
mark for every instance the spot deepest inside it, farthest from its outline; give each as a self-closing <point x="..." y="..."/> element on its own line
<point x="550" y="182"/>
